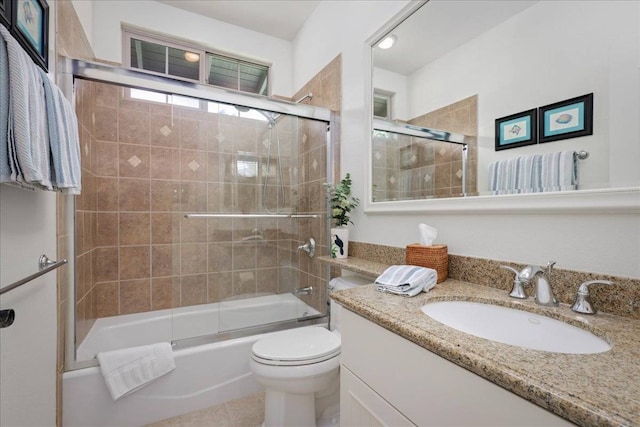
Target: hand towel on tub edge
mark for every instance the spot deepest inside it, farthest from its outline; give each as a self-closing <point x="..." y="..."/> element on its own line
<point x="129" y="369"/>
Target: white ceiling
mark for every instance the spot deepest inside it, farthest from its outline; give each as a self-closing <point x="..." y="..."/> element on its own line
<point x="439" y="27"/>
<point x="278" y="18"/>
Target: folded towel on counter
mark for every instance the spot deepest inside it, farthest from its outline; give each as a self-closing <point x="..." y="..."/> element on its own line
<point x="407" y="280"/>
<point x="129" y="369"/>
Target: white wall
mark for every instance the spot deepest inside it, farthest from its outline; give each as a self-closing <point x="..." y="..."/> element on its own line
<point x="28" y="347"/>
<point x="84" y="9"/>
<point x="521" y="64"/>
<point x="606" y="244"/>
<point x="107" y="35"/>
<point x="397" y="84"/>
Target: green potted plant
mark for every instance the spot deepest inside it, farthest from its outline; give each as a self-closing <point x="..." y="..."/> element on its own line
<point x="342" y="204"/>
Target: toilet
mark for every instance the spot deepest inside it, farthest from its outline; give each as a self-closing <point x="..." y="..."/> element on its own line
<point x="300" y="370"/>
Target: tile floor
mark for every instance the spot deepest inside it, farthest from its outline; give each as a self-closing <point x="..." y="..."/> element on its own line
<point x="244" y="412"/>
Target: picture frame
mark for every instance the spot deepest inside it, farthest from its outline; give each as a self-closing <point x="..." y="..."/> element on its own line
<point x="566" y="119"/>
<point x="30" y="26"/>
<point x="516" y="130"/>
<point x="5" y="13"/>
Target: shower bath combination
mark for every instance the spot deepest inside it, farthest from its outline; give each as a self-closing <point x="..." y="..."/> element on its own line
<point x="173" y="244"/>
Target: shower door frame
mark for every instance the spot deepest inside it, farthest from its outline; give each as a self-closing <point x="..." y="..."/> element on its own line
<point x="70" y="69"/>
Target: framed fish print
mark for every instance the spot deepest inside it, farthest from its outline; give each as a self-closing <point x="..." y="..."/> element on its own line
<point x="5" y="13"/>
<point x="517" y="130"/>
<point x="30" y="20"/>
<point x="567" y="119"/>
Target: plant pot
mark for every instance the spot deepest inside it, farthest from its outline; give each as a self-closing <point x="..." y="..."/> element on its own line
<point x="339" y="242"/>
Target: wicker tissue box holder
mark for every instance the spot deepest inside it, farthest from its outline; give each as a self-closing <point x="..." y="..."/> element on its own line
<point x="436" y="257"/>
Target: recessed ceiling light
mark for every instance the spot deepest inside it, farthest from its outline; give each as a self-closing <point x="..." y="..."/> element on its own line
<point x="191" y="57"/>
<point x="388" y="41"/>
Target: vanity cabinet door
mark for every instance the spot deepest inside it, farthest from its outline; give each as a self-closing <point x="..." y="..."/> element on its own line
<point x="427" y="389"/>
<point x="362" y="407"/>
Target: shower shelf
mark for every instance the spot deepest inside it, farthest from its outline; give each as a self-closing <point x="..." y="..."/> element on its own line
<point x="232" y="215"/>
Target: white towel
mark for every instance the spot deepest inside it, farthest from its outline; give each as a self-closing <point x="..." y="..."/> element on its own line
<point x="128" y="370"/>
<point x="407" y="280"/>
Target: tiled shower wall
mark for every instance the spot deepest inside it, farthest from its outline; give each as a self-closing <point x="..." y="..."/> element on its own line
<point x="416" y="168"/>
<point x="146" y="164"/>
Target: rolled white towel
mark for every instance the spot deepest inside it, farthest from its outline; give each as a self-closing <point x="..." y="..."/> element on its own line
<point x="407" y="280"/>
<point x="129" y="369"/>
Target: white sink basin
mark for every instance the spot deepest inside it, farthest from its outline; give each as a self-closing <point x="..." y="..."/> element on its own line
<point x="515" y="327"/>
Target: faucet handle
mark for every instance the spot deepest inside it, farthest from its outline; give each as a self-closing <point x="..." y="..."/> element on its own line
<point x="583" y="304"/>
<point x="518" y="290"/>
<point x="550" y="265"/>
<point x="511" y="269"/>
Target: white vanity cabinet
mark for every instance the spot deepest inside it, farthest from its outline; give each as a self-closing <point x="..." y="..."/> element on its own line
<point x="387" y="380"/>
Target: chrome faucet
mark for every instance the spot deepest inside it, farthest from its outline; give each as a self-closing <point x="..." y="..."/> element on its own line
<point x="517" y="291"/>
<point x="543" y="291"/>
<point x="583" y="304"/>
<point x="303" y="291"/>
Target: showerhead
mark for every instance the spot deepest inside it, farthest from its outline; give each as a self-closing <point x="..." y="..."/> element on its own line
<point x="242" y="108"/>
<point x="271" y="120"/>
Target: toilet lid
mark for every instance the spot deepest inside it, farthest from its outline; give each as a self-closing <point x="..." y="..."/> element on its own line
<point x="302" y="344"/>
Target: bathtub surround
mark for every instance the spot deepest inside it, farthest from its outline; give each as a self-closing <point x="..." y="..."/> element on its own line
<point x="406" y="167"/>
<point x="150" y="165"/>
<point x="621" y="299"/>
<point x="147" y="164"/>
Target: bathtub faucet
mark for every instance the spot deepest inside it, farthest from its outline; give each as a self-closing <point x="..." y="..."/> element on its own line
<point x="309" y="247"/>
<point x="303" y="291"/>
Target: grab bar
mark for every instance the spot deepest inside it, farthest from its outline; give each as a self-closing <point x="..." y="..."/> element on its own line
<point x="210" y="215"/>
<point x="45" y="265"/>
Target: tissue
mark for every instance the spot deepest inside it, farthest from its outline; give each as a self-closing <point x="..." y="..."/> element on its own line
<point x="427" y="234"/>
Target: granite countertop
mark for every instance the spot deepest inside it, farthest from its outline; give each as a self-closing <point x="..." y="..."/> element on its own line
<point x="590" y="390"/>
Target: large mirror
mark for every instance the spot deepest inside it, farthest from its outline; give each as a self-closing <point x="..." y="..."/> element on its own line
<point x="459" y="65"/>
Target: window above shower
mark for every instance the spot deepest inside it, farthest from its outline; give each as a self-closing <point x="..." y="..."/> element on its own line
<point x="188" y="61"/>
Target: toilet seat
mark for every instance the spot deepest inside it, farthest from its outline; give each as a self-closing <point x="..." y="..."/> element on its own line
<point x="296" y="347"/>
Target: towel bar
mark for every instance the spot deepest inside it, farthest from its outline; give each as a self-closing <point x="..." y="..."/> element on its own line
<point x="45" y="265"/>
<point x="581" y="154"/>
<point x="217" y="215"/>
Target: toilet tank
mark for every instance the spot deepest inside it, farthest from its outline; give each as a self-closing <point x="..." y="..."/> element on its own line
<point x="347" y="281"/>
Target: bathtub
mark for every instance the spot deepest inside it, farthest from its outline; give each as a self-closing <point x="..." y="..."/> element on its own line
<point x="129" y="330"/>
<point x="205" y="375"/>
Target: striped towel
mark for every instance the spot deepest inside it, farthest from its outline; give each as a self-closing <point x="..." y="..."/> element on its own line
<point x="534" y="174"/>
<point x="559" y="171"/>
<point x="5" y="169"/>
<point x="63" y="138"/>
<point x="407" y="280"/>
<point x="27" y="134"/>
